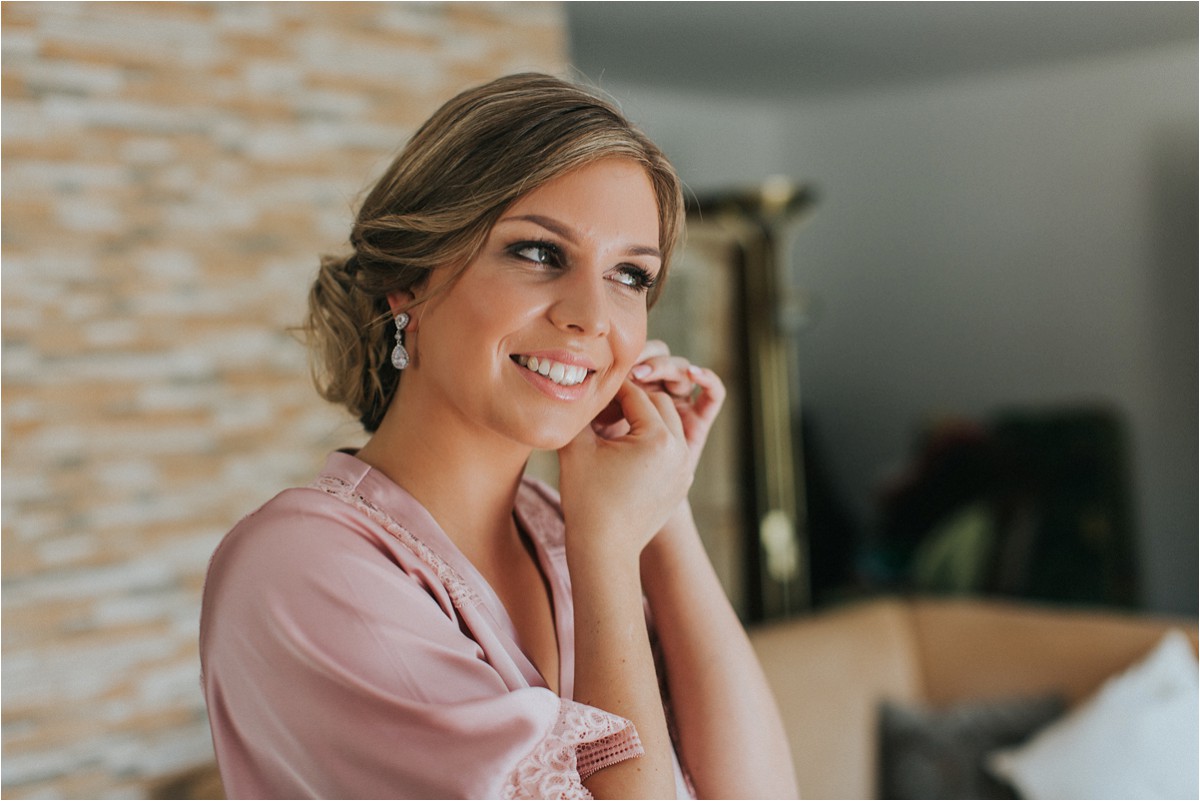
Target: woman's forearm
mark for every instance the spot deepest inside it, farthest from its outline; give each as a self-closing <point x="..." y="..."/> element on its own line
<point x="615" y="672"/>
<point x="731" y="736"/>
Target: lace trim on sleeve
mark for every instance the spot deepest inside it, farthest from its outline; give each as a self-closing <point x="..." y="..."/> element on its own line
<point x="582" y="741"/>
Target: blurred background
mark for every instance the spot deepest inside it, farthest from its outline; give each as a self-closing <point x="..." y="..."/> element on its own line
<point x="1002" y="248"/>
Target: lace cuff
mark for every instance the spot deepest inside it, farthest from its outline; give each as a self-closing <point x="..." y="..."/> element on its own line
<point x="582" y="741"/>
<point x="615" y="747"/>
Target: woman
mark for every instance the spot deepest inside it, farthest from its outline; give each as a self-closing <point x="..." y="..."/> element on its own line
<point x="422" y="621"/>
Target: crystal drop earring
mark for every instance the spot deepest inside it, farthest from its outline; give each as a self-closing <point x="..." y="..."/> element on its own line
<point x="399" y="354"/>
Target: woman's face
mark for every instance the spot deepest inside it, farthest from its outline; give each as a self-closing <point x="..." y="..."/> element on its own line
<point x="536" y="335"/>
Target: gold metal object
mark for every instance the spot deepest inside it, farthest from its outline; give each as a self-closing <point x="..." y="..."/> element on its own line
<point x="760" y="222"/>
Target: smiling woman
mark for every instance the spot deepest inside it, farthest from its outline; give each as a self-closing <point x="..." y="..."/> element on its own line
<point x="436" y="204"/>
<point x="422" y="621"/>
<point x="560" y="284"/>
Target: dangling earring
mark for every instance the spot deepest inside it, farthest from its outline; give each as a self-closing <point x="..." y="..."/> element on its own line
<point x="399" y="354"/>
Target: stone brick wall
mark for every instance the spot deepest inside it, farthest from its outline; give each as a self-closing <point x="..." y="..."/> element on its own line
<point x="170" y="174"/>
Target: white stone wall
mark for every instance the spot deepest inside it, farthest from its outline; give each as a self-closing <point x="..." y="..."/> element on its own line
<point x="170" y="174"/>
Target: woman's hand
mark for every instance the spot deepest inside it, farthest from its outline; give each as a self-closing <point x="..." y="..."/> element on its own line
<point x="696" y="391"/>
<point x="622" y="482"/>
<point x="618" y="488"/>
<point x="718" y="693"/>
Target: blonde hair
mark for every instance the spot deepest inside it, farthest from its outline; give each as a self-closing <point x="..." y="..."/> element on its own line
<point x="435" y="205"/>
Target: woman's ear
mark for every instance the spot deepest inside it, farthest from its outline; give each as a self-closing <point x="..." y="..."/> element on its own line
<point x="401" y="301"/>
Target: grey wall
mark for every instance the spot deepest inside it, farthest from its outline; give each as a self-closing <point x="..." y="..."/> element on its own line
<point x="1019" y="238"/>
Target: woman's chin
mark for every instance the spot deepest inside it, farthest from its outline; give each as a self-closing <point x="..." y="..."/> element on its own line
<point x="552" y="441"/>
<point x="553" y="433"/>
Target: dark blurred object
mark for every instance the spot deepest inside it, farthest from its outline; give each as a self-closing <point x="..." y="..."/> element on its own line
<point x="940" y="752"/>
<point x="1034" y="505"/>
<point x="203" y="781"/>
<point x="834" y="536"/>
<point x="954" y="465"/>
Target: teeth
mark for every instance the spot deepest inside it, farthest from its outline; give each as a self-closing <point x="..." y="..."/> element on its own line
<point x="567" y="375"/>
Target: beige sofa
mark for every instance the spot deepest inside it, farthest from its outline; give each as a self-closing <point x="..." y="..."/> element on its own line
<point x="831" y="670"/>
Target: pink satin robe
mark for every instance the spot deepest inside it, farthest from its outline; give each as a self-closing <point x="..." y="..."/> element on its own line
<point x="350" y="650"/>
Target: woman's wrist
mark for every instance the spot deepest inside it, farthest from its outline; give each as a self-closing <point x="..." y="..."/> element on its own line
<point x="591" y="551"/>
<point x="672" y="543"/>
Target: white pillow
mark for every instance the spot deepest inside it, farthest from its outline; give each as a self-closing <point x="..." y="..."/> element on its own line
<point x="1137" y="737"/>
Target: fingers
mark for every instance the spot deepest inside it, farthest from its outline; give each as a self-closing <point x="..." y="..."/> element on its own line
<point x="667" y="411"/>
<point x="696" y="393"/>
<point x="655" y="363"/>
<point x="669" y="372"/>
<point x="712" y="393"/>
<point x="642" y="408"/>
<point x="680" y="378"/>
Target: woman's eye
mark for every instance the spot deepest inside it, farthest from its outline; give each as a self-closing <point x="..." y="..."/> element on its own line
<point x="634" y="278"/>
<point x="538" y="253"/>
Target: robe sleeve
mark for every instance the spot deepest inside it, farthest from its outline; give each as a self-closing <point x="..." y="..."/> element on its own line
<point x="332" y="669"/>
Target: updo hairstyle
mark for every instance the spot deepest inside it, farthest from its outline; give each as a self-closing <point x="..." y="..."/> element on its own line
<point x="436" y="204"/>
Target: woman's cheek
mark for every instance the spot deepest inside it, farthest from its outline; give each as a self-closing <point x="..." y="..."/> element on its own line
<point x="629" y="340"/>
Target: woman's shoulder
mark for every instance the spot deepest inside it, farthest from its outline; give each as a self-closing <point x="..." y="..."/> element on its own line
<point x="294" y="512"/>
<point x="307" y="553"/>
<point x="305" y="535"/>
<point x="348" y="525"/>
<point x="298" y="526"/>
<point x="322" y="519"/>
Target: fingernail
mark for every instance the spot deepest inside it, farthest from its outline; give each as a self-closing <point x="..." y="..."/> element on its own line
<point x="694" y="370"/>
<point x="641" y="371"/>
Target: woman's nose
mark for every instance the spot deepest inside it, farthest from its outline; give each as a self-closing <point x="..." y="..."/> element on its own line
<point x="581" y="305"/>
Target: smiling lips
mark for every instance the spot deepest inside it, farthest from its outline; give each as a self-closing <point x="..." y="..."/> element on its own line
<point x="565" y="375"/>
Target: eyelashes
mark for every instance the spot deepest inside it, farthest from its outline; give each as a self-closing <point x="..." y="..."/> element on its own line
<point x="641" y="279"/>
<point x="549" y="254"/>
<point x="538" y="252"/>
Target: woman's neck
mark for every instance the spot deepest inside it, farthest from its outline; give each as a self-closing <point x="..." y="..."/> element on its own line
<point x="442" y="462"/>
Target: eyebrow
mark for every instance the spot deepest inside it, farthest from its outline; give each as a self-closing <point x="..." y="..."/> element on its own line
<point x="556" y="227"/>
